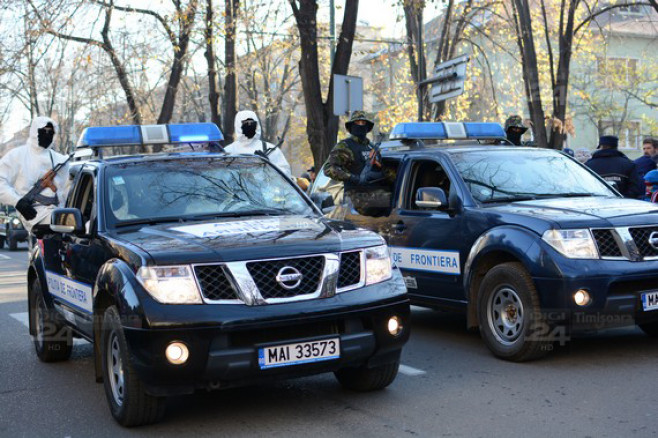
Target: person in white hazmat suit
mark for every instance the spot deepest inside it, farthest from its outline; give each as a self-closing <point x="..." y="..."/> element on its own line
<point x="247" y="141"/>
<point x="23" y="166"/>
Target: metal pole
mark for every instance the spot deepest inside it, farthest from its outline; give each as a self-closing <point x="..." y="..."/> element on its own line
<point x="332" y="31"/>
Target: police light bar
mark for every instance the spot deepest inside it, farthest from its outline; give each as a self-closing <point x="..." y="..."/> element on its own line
<point x="102" y="136"/>
<point x="446" y="130"/>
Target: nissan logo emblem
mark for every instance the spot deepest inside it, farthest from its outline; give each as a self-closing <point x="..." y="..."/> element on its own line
<point x="653" y="240"/>
<point x="289" y="277"/>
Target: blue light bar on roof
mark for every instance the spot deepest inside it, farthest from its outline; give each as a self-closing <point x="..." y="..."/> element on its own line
<point x="194" y="132"/>
<point x="99" y="136"/>
<point x="438" y="131"/>
<point x="484" y="130"/>
<point x="110" y="135"/>
<point x="418" y="130"/>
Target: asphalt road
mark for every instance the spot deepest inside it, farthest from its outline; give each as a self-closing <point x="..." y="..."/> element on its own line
<point x="451" y="386"/>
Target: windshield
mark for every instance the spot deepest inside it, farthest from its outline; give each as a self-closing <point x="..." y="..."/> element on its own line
<point x="504" y="175"/>
<point x="161" y="191"/>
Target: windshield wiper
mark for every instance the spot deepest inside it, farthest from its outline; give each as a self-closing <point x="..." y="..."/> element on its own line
<point x="148" y="221"/>
<point x="509" y="199"/>
<point x="258" y="212"/>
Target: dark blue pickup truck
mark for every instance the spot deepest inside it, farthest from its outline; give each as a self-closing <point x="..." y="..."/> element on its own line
<point x="529" y="243"/>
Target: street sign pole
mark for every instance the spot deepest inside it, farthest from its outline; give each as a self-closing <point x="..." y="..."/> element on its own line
<point x="448" y="79"/>
<point x="348" y="94"/>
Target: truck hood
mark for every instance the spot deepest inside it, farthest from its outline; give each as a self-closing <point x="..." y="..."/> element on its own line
<point x="245" y="238"/>
<point x="585" y="212"/>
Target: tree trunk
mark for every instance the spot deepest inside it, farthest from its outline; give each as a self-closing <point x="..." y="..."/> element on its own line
<point x="322" y="125"/>
<point x="530" y="71"/>
<point x="120" y="70"/>
<point x="560" y="91"/>
<point x="413" y="16"/>
<point x="231" y="79"/>
<point x="186" y="20"/>
<point x="213" y="95"/>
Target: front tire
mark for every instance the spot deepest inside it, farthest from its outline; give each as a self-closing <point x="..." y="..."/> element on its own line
<point x="11" y="243"/>
<point x="365" y="379"/>
<point x="509" y="313"/>
<point x="129" y="402"/>
<point x="53" y="341"/>
<point x="2" y="242"/>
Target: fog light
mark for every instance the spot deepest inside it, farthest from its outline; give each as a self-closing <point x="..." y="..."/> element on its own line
<point x="394" y="326"/>
<point x="177" y="353"/>
<point x="581" y="297"/>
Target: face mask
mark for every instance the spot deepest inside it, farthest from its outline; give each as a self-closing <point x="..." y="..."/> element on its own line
<point x="249" y="130"/>
<point x="359" y="131"/>
<point x="514" y="137"/>
<point x="45" y="136"/>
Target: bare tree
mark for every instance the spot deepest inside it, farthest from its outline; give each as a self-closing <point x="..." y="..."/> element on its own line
<point x="232" y="8"/>
<point x="322" y="124"/>
<point x="213" y="95"/>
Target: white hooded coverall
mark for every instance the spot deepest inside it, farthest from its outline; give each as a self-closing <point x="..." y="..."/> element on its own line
<point x="21" y="167"/>
<point x="244" y="145"/>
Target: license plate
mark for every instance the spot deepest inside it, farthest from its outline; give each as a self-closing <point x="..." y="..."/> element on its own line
<point x="298" y="353"/>
<point x="650" y="301"/>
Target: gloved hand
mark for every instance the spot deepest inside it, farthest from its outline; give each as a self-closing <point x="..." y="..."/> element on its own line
<point x="370" y="176"/>
<point x="26" y="209"/>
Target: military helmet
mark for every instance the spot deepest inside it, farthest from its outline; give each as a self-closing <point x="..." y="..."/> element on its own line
<point x="515" y="121"/>
<point x="359" y="115"/>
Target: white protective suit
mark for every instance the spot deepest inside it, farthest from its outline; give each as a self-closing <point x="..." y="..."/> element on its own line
<point x="244" y="145"/>
<point x="21" y="167"/>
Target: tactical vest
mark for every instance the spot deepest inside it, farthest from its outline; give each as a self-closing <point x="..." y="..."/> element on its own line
<point x="360" y="153"/>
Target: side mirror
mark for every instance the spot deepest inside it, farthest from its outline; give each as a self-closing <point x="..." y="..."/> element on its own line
<point x="431" y="197"/>
<point x="67" y="220"/>
<point x="323" y="200"/>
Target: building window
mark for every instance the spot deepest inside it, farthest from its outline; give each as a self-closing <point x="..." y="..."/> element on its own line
<point x="617" y="71"/>
<point x="629" y="132"/>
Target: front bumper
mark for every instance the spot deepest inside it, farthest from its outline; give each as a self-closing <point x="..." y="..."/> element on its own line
<point x="224" y="353"/>
<point x="616" y="289"/>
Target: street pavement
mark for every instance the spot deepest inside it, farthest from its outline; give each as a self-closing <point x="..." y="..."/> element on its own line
<point x="450" y="386"/>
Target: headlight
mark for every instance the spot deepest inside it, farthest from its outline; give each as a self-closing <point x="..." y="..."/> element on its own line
<point x="16" y="222"/>
<point x="170" y="284"/>
<point x="378" y="264"/>
<point x="575" y="244"/>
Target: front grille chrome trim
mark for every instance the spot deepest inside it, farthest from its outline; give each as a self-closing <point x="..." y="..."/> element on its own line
<point x="248" y="293"/>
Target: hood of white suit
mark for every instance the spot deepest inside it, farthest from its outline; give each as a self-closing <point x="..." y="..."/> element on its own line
<point x="33" y="139"/>
<point x="240" y="117"/>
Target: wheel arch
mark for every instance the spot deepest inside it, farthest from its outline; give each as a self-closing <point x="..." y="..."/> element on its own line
<point x="115" y="286"/>
<point x="496" y="246"/>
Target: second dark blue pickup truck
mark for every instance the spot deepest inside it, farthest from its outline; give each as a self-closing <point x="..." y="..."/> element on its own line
<point x="529" y="243"/>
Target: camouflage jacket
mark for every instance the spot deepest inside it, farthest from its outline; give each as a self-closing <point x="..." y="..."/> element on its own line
<point x="342" y="160"/>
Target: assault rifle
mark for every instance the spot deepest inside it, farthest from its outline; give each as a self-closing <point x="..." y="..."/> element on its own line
<point x="45" y="181"/>
<point x="265" y="152"/>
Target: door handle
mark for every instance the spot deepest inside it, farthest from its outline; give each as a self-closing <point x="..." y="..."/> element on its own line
<point x="399" y="227"/>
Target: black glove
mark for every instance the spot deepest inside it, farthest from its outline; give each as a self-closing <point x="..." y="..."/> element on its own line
<point x="26" y="209"/>
<point x="369" y="176"/>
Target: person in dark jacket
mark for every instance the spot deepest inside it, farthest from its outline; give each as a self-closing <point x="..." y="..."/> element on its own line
<point x="616" y="168"/>
<point x="647" y="161"/>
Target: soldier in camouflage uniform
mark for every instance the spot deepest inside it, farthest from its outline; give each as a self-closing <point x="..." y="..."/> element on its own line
<point x="355" y="162"/>
<point x="514" y="128"/>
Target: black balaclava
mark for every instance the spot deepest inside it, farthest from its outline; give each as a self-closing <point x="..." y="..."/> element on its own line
<point x="45" y="136"/>
<point x="249" y="128"/>
<point x="359" y="131"/>
<point x="514" y="136"/>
